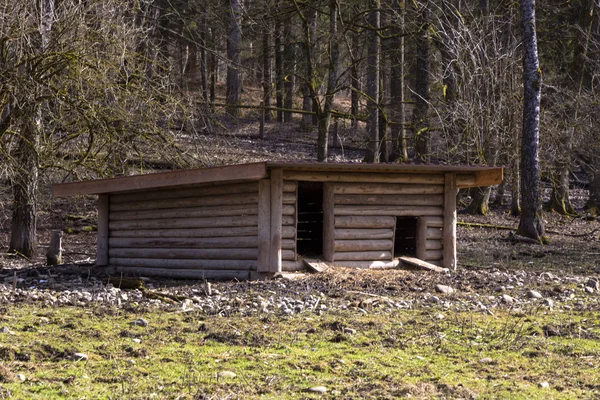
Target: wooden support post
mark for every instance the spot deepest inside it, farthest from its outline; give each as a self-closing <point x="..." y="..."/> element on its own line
<point x="449" y="228"/>
<point x="264" y="224"/>
<point x="102" y="237"/>
<point x="276" y="219"/>
<point x="328" y="221"/>
<point x="421" y="238"/>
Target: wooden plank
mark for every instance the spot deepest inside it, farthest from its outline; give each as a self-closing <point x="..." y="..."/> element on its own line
<point x="276" y="220"/>
<point x="288" y="255"/>
<point x="190" y="212"/>
<point x="249" y="265"/>
<point x="449" y="228"/>
<point x="190" y="254"/>
<point x="363" y="245"/>
<point x="434" y="221"/>
<point x="193" y="191"/>
<point x="328" y="221"/>
<point x="288" y="244"/>
<point x="396" y="211"/>
<point x="224" y="200"/>
<point x="187" y="273"/>
<point x="489" y="177"/>
<point x="415" y="262"/>
<point x="292" y="266"/>
<point x="290" y="186"/>
<point x="421" y="237"/>
<point x="362" y="256"/>
<point x="434" y="233"/>
<point x="366" y="234"/>
<point x="391" y="188"/>
<point x="289" y="210"/>
<point x="264" y="224"/>
<point x="232" y="173"/>
<point x="190" y="243"/>
<point x="317" y="266"/>
<point x="465" y="180"/>
<point x="433" y="255"/>
<point x="433" y="244"/>
<point x="364" y="222"/>
<point x="182" y="223"/>
<point x="186" y="233"/>
<point x="289" y="198"/>
<point x="103" y="230"/>
<point x="368" y="264"/>
<point x="390" y="199"/>
<point x="353" y="177"/>
<point x="288" y="220"/>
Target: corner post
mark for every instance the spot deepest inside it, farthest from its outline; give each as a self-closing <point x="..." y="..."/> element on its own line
<point x="102" y="237"/>
<point x="276" y="219"/>
<point x="264" y="225"/>
<point x="449" y="227"/>
<point x="328" y="221"/>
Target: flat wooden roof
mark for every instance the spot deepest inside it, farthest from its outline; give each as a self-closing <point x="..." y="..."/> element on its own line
<point x="479" y="176"/>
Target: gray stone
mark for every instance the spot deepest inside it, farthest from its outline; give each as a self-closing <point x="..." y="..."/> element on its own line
<point x="548" y="302"/>
<point x="140" y="322"/>
<point x="507" y="299"/>
<point x="226" y="374"/>
<point x="444" y="289"/>
<point x="486" y="360"/>
<point x="543" y="385"/>
<point x="593" y="283"/>
<point x="349" y="331"/>
<point x="79" y="357"/>
<point x="318" y="389"/>
<point x="532" y="294"/>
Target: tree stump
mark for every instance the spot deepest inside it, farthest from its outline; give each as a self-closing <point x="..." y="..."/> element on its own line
<point x="54" y="252"/>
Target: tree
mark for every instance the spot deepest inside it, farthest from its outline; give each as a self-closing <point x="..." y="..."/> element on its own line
<point x="234" y="48"/>
<point x="421" y="109"/>
<point x="530" y="224"/>
<point x="397" y="108"/>
<point x="372" y="90"/>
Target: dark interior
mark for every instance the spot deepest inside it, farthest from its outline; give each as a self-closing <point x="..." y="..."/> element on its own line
<point x="310" y="219"/>
<point x="405" y="239"/>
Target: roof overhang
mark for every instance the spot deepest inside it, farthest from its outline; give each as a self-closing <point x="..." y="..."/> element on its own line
<point x="466" y="176"/>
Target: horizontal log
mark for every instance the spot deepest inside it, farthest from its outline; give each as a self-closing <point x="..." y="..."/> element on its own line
<point x="368" y="264"/>
<point x="425" y="178"/>
<point x="383" y="188"/>
<point x="189" y="212"/>
<point x="206" y="254"/>
<point x="187" y="264"/>
<point x="289" y="187"/>
<point x="177" y="223"/>
<point x="434" y="221"/>
<point x="288" y="255"/>
<point x="363" y="245"/>
<point x="288" y="244"/>
<point x="352" y="221"/>
<point x="289" y="210"/>
<point x="397" y="211"/>
<point x="349" y="234"/>
<point x="433" y="244"/>
<point x="196" y="191"/>
<point x="292" y="266"/>
<point x="433" y="255"/>
<point x="214" y="242"/>
<point x="289" y="198"/>
<point x="186" y="233"/>
<point x="288" y="232"/>
<point x="198" y="274"/>
<point x="390" y="199"/>
<point x="230" y="199"/>
<point x="465" y="180"/>
<point x="288" y="220"/>
<point x="434" y="233"/>
<point x="362" y="256"/>
<point x="412" y="262"/>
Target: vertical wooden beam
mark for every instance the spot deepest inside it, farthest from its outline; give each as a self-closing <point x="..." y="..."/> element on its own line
<point x="276" y="216"/>
<point x="102" y="237"/>
<point x="328" y="221"/>
<point x="449" y="227"/>
<point x="264" y="225"/>
<point x="421" y="238"/>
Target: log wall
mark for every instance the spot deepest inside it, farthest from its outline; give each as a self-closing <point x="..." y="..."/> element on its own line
<point x="200" y="229"/>
<point x="289" y="224"/>
<point x="365" y="215"/>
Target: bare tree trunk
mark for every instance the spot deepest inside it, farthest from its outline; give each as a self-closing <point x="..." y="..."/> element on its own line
<point x="289" y="66"/>
<point x="515" y="191"/>
<point x="480" y="201"/>
<point x="355" y="79"/>
<point x="499" y="200"/>
<point x="531" y="224"/>
<point x="203" y="60"/>
<point x="279" y="77"/>
<point x="397" y="107"/>
<point x="373" y="19"/>
<point x="559" y="200"/>
<point x="421" y="110"/>
<point x="307" y="102"/>
<point x="384" y="79"/>
<point x="593" y="202"/>
<point x="266" y="71"/>
<point x="234" y="44"/>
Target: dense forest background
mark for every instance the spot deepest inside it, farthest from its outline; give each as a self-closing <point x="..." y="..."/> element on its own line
<point x="100" y="88"/>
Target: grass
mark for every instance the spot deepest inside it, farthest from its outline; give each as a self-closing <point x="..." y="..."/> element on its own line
<point x="420" y="354"/>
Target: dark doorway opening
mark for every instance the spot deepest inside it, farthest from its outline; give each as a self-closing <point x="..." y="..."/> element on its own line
<point x="310" y="219"/>
<point x="405" y="238"/>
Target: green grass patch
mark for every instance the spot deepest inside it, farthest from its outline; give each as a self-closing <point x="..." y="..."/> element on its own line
<point x="390" y="355"/>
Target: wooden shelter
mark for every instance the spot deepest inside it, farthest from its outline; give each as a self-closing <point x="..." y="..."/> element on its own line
<point x="244" y="221"/>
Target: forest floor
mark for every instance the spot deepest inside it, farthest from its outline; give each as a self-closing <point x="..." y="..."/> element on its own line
<point x="520" y="321"/>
